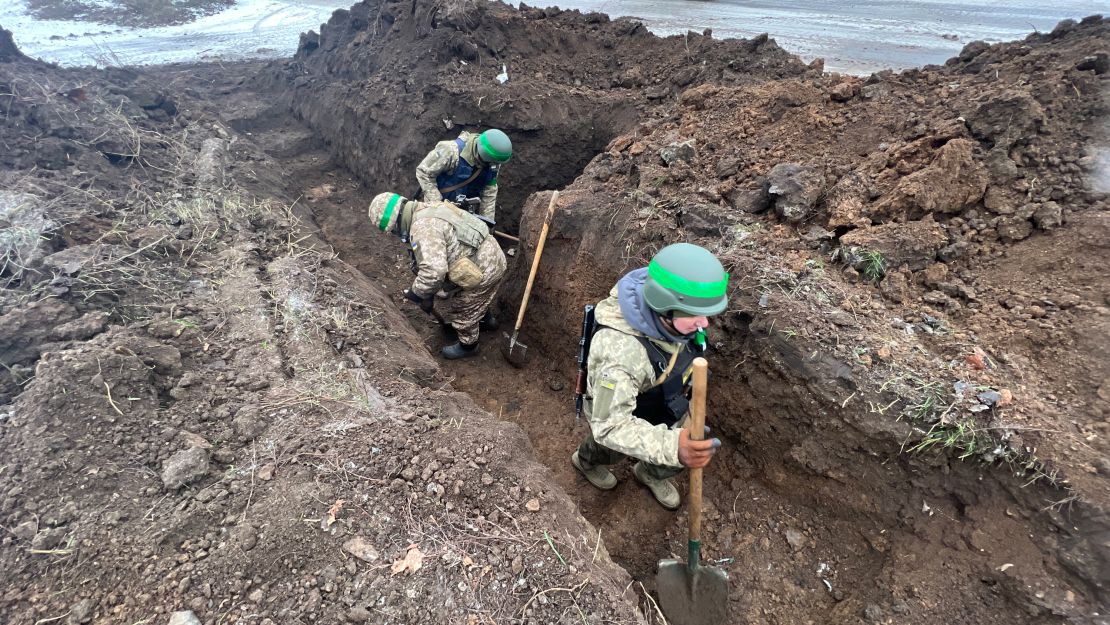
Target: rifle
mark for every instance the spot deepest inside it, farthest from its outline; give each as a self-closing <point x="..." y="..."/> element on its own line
<point x="469" y="204"/>
<point x="588" y="326"/>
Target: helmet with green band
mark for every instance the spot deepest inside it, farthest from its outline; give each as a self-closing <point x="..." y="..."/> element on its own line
<point x="385" y="208"/>
<point x="494" y="146"/>
<point x="687" y="280"/>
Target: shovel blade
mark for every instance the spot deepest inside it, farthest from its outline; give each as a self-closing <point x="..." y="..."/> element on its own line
<point x="697" y="596"/>
<point x="513" y="350"/>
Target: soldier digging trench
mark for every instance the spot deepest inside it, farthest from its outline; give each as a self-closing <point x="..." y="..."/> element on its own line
<point x="451" y="250"/>
<point x="638" y="349"/>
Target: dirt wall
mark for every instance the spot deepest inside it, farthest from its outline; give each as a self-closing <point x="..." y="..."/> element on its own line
<point x="384" y="81"/>
<point x="817" y="379"/>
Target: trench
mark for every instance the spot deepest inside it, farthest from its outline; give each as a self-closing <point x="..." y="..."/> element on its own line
<point x="815" y="521"/>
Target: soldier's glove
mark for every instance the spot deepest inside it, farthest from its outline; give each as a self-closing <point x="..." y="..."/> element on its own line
<point x="426" y="303"/>
<point x="695" y="454"/>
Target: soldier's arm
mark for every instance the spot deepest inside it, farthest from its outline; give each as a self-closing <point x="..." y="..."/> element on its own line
<point x="443" y="158"/>
<point x="488" y="208"/>
<point x="615" y="381"/>
<point x="429" y="246"/>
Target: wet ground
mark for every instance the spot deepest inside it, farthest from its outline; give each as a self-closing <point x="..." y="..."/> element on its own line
<point x="852" y="37"/>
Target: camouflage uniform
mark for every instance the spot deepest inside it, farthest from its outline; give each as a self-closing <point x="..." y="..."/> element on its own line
<point x="619" y="370"/>
<point x="445" y="157"/>
<point x="436" y="246"/>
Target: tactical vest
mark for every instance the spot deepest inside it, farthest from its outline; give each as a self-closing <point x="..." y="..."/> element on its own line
<point x="462" y="172"/>
<point x="469" y="229"/>
<point x="667" y="402"/>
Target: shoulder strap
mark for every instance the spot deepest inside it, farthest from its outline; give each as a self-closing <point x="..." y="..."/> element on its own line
<point x="473" y="175"/>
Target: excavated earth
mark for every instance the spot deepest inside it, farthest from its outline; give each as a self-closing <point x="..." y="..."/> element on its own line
<point x="215" y="402"/>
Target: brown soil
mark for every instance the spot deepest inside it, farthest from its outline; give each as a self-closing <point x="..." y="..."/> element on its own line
<point x="212" y="321"/>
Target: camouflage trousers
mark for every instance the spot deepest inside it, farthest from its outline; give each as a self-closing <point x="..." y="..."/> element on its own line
<point x="592" y="453"/>
<point x="463" y="309"/>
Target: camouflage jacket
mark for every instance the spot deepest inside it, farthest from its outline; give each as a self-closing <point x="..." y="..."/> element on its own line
<point x="445" y="157"/>
<point x="435" y="247"/>
<point x="619" y="370"/>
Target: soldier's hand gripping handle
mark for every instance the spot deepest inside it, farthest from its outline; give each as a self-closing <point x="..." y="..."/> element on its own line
<point x="693" y="451"/>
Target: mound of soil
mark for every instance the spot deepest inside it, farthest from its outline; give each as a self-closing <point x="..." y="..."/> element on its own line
<point x="919" y="265"/>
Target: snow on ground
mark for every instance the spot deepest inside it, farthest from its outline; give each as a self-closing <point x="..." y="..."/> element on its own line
<point x="250" y="29"/>
<point x="852" y="36"/>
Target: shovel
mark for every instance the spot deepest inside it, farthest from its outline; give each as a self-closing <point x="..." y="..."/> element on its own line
<point x="689" y="593"/>
<point x="513" y="350"/>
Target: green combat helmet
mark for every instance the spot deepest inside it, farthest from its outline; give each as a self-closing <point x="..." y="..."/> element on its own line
<point x="494" y="146"/>
<point x="687" y="280"/>
<point x="385" y="208"/>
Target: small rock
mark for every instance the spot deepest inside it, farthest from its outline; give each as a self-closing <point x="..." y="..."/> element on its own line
<point x="1005" y="397"/>
<point x="358" y="614"/>
<point x="185" y="467"/>
<point x="360" y="548"/>
<point x="883" y="353"/>
<point x="796" y="189"/>
<point x="1015" y="229"/>
<point x="728" y="167"/>
<point x="556" y="385"/>
<point x="185" y="617"/>
<point x="533" y="505"/>
<point x="935" y="274"/>
<point x="1049" y="216"/>
<point x="796" y="539"/>
<point x="256" y="596"/>
<point x="48" y="539"/>
<point x="26" y="530"/>
<point x="517" y="565"/>
<point x="989" y="398"/>
<point x="873" y="613"/>
<point x="679" y="151"/>
<point x="841" y="318"/>
<point x="844" y="91"/>
<point x="266" y="472"/>
<point x="1098" y="63"/>
<point x="81" y="612"/>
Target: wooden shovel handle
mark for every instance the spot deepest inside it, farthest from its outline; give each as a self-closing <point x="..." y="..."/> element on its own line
<point x="697" y="432"/>
<point x="536" y="261"/>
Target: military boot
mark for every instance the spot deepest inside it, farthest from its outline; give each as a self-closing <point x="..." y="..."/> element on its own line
<point x="600" y="476"/>
<point x="488" y="322"/>
<point x="459" y="350"/>
<point x="664" y="490"/>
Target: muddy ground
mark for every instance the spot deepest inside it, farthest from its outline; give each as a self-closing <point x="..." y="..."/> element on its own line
<point x="217" y="403"/>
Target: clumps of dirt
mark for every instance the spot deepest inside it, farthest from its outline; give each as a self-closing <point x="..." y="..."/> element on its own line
<point x="385" y="80"/>
<point x="917" y="261"/>
<point x="129" y="13"/>
<point x="9" y="52"/>
<point x="207" y="415"/>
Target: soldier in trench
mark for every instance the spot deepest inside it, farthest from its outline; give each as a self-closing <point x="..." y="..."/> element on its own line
<point x="647" y="334"/>
<point x="466" y="167"/>
<point x="453" y="251"/>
